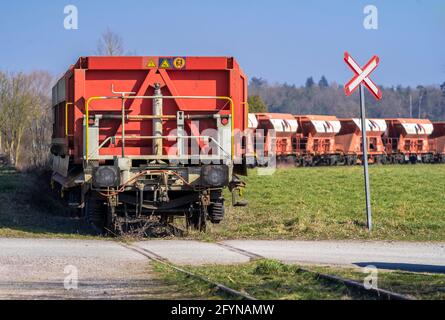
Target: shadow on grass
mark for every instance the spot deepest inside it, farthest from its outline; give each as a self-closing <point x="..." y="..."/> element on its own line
<point x="28" y="206"/>
<point x="411" y="267"/>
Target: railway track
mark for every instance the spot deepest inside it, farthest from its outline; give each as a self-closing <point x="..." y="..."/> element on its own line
<point x="377" y="293"/>
<point x="220" y="288"/>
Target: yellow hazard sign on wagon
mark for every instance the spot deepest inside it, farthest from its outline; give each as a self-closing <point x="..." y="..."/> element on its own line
<point x="179" y="63"/>
<point x="151" y="64"/>
<point x="165" y="63"/>
<point x="172" y="63"/>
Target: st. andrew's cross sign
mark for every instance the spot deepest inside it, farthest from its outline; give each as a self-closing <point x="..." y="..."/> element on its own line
<point x="360" y="80"/>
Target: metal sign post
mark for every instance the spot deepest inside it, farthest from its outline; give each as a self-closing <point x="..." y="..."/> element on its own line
<point x="365" y="157"/>
<point x="361" y="79"/>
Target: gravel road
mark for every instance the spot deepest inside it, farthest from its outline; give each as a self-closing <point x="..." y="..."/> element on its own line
<point x="35" y="268"/>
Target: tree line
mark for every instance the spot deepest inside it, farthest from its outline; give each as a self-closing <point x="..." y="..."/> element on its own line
<point x="327" y="98"/>
<point x="26" y="115"/>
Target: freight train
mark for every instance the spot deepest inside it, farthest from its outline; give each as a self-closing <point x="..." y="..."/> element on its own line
<point x="309" y="140"/>
<point x="142" y="137"/>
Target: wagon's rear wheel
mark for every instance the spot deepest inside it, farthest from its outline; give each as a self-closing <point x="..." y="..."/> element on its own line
<point x="95" y="213"/>
<point x="196" y="218"/>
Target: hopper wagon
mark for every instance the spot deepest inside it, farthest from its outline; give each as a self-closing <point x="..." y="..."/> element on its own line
<point x="407" y="140"/>
<point x="276" y="132"/>
<point x="316" y="139"/>
<point x="251" y="141"/>
<point x="437" y="142"/>
<point x="349" y="140"/>
<point x="142" y="137"/>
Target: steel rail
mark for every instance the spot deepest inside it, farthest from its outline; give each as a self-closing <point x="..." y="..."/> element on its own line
<point x="379" y="293"/>
<point x="376" y="292"/>
<point x="218" y="286"/>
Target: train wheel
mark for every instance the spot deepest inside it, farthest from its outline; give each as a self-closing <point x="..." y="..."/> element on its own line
<point x="400" y="159"/>
<point x="333" y="161"/>
<point x="95" y="213"/>
<point x="378" y="160"/>
<point x="341" y="161"/>
<point x="351" y="161"/>
<point x="197" y="219"/>
<point x="290" y="160"/>
<point x="428" y="158"/>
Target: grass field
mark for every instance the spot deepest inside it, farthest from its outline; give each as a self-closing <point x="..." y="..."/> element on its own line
<point x="328" y="203"/>
<point x="266" y="279"/>
<point x="296" y="203"/>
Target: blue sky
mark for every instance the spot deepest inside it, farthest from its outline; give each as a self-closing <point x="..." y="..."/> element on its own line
<point x="281" y="41"/>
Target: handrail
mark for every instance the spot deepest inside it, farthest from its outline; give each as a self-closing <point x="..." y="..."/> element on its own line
<point x="66" y="118"/>
<point x="131" y="137"/>
<point x="232" y="110"/>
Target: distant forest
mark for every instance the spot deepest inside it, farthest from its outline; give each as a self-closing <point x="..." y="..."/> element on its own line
<point x="327" y="98"/>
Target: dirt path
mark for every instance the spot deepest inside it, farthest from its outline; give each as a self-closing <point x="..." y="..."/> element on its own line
<point x="40" y="269"/>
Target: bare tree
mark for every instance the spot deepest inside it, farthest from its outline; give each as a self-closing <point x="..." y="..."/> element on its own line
<point x="3" y="101"/>
<point x="39" y="131"/>
<point x="15" y="113"/>
<point x="24" y="115"/>
<point x="110" y="44"/>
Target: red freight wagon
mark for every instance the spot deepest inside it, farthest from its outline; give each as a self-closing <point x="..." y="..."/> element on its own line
<point x="251" y="141"/>
<point x="437" y="141"/>
<point x="317" y="142"/>
<point x="277" y="130"/>
<point x="149" y="136"/>
<point x="407" y="140"/>
<point x="349" y="140"/>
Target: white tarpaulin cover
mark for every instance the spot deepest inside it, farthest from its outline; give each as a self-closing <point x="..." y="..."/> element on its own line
<point x="326" y="126"/>
<point x="372" y="125"/>
<point x="418" y="128"/>
<point x="253" y="121"/>
<point x="284" y="125"/>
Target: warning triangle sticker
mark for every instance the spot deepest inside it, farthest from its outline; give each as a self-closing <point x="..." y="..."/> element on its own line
<point x="151" y="64"/>
<point x="165" y="64"/>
